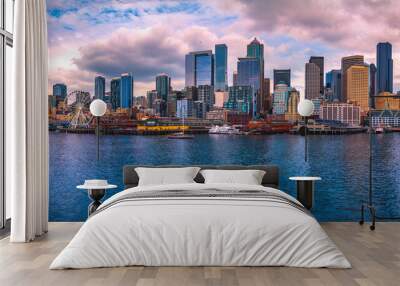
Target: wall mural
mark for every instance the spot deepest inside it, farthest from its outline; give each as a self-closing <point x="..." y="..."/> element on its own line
<point x="218" y="82"/>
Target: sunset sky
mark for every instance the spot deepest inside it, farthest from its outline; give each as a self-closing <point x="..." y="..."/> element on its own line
<point x="109" y="37"/>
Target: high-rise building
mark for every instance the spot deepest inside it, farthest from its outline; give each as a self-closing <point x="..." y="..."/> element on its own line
<point x="184" y="108"/>
<point x="346" y="63"/>
<point x="220" y="98"/>
<point x="221" y="67"/>
<point x="334" y="83"/>
<point x="319" y="61"/>
<point x="294" y="98"/>
<point x="126" y="88"/>
<point x="372" y="84"/>
<point x="99" y="87"/>
<point x="256" y="50"/>
<point x="191" y="93"/>
<point x="249" y="70"/>
<point x="163" y="88"/>
<point x="60" y="90"/>
<point x="206" y="95"/>
<point x="312" y="81"/>
<point x="280" y="99"/>
<point x="282" y="76"/>
<point x="115" y="86"/>
<point x="240" y="98"/>
<point x="384" y="63"/>
<point x="200" y="109"/>
<point x="358" y="86"/>
<point x="267" y="103"/>
<point x="199" y="68"/>
<point x="151" y="97"/>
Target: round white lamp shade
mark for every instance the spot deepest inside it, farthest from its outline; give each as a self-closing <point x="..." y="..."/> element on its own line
<point x="305" y="107"/>
<point x="98" y="107"/>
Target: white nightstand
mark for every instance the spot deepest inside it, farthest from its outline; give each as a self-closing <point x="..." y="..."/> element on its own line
<point x="305" y="190"/>
<point x="96" y="190"/>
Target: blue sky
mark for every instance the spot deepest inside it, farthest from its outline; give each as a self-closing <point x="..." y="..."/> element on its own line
<point x="109" y="37"/>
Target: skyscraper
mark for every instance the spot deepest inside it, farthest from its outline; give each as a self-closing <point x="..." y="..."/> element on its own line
<point x="280" y="99"/>
<point x="291" y="113"/>
<point x="312" y="81"/>
<point x="163" y="86"/>
<point x="199" y="68"/>
<point x="239" y="98"/>
<point x="372" y="84"/>
<point x="126" y="95"/>
<point x="346" y="63"/>
<point x="221" y="67"/>
<point x="282" y="76"/>
<point x="256" y="50"/>
<point x="334" y="82"/>
<point x="234" y="78"/>
<point x="115" y="93"/>
<point x="206" y="95"/>
<point x="267" y="103"/>
<point x="358" y="86"/>
<point x="151" y="96"/>
<point x="249" y="69"/>
<point x="60" y="90"/>
<point x="99" y="87"/>
<point x="319" y="61"/>
<point x="384" y="67"/>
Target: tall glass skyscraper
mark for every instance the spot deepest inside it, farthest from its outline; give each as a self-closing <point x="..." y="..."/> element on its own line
<point x="115" y="93"/>
<point x="256" y="50"/>
<point x="60" y="90"/>
<point x="99" y="87"/>
<point x="282" y="76"/>
<point x="221" y="67"/>
<point x="199" y="68"/>
<point x="163" y="86"/>
<point x="249" y="69"/>
<point x="384" y="67"/>
<point x="334" y="82"/>
<point x="126" y="95"/>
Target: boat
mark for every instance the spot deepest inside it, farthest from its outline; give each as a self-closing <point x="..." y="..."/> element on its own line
<point x="379" y="130"/>
<point x="181" y="135"/>
<point x="225" y="129"/>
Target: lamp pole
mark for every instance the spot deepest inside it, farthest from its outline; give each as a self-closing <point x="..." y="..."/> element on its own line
<point x="98" y="136"/>
<point x="305" y="138"/>
<point x="98" y="108"/>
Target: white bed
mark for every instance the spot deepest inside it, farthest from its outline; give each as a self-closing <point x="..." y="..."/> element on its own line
<point x="200" y="231"/>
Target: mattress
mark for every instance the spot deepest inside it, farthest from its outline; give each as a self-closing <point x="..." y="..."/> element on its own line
<point x="201" y="225"/>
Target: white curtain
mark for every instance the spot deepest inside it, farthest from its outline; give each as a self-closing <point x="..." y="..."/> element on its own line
<point x="27" y="124"/>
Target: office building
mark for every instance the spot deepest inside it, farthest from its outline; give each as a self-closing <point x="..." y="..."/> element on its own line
<point x="220" y="98"/>
<point x="115" y="86"/>
<point x="200" y="109"/>
<point x="234" y="78"/>
<point x="319" y="61"/>
<point x="191" y="93"/>
<point x="256" y="50"/>
<point x="184" y="108"/>
<point x="312" y="81"/>
<point x="163" y="88"/>
<point x="280" y="99"/>
<point x="151" y="97"/>
<point x="249" y="70"/>
<point x="372" y="84"/>
<point x="267" y="102"/>
<point x="358" y="86"/>
<point x="205" y="93"/>
<point x="346" y="63"/>
<point x="294" y="98"/>
<point x="99" y="87"/>
<point x="334" y="85"/>
<point x="349" y="114"/>
<point x="282" y="76"/>
<point x="199" y="68"/>
<point x="384" y="67"/>
<point x="60" y="90"/>
<point x="239" y="98"/>
<point x="126" y="95"/>
<point x="221" y="68"/>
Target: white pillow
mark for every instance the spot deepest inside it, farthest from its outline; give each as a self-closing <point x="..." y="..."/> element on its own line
<point x="247" y="177"/>
<point x="166" y="176"/>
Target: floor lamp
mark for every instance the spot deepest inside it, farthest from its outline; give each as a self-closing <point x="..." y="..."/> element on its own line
<point x="305" y="108"/>
<point x="98" y="108"/>
<point x="368" y="205"/>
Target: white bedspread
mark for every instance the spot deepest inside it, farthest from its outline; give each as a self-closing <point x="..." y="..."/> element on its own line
<point x="200" y="231"/>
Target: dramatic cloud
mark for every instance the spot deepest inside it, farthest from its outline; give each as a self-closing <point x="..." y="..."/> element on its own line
<point x="108" y="37"/>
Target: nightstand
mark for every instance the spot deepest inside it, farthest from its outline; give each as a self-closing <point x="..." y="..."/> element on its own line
<point x="96" y="190"/>
<point x="305" y="190"/>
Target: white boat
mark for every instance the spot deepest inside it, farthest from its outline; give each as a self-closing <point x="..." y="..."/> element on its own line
<point x="225" y="129"/>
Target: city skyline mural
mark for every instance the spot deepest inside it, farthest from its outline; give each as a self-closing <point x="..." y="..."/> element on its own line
<point x="227" y="77"/>
<point x="146" y="38"/>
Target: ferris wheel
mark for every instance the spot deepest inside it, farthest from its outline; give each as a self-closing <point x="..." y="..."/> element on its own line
<point x="77" y="104"/>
